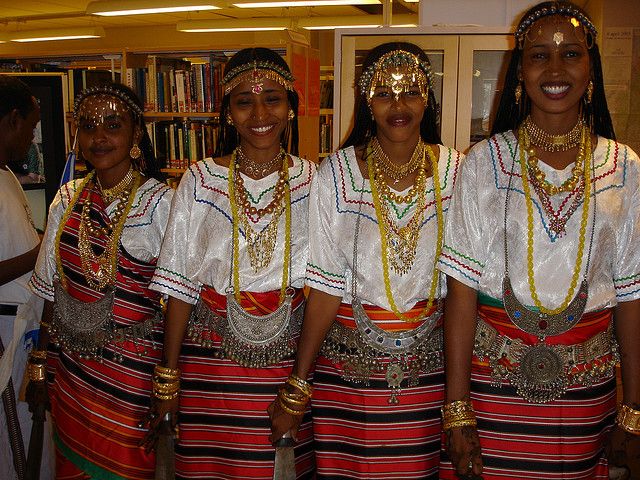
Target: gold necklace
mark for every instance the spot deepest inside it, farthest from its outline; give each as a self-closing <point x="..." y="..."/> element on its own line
<point x="257" y="169"/>
<point x="553" y="143"/>
<point x="586" y="139"/>
<point x="109" y="194"/>
<point x="392" y="170"/>
<point x="107" y="261"/>
<point x="384" y="234"/>
<point x="537" y="175"/>
<point x="236" y="232"/>
<point x="260" y="244"/>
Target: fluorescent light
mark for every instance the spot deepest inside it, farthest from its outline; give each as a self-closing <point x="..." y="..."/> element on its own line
<point x="113" y="8"/>
<point x="411" y="1"/>
<point x="234" y="25"/>
<point x="304" y="3"/>
<point x="360" y="21"/>
<point x="57" y="34"/>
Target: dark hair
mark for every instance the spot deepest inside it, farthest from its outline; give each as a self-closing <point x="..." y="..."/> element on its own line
<point x="364" y="127"/>
<point x="147" y="163"/>
<point x="15" y="94"/>
<point x="510" y="114"/>
<point x="228" y="138"/>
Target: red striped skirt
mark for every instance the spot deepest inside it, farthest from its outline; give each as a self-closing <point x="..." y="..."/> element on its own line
<point x="359" y="435"/>
<point x="224" y="426"/>
<point x="562" y="439"/>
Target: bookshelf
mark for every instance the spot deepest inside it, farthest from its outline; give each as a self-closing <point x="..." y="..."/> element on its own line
<point x="326" y="112"/>
<point x="193" y="62"/>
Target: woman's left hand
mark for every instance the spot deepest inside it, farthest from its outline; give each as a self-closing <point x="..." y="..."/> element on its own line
<point x="282" y="422"/>
<point x="154" y="419"/>
<point x="623" y="450"/>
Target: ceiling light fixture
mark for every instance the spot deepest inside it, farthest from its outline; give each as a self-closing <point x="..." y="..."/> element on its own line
<point x="57" y="34"/>
<point x="302" y="3"/>
<point x="234" y="25"/>
<point x="113" y="8"/>
<point x="360" y="21"/>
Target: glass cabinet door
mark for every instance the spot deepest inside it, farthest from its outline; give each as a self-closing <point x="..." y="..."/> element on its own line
<point x="483" y="64"/>
<point x="352" y="48"/>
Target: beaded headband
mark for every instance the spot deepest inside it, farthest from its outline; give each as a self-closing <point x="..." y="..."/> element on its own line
<point x="573" y="14"/>
<point x="255" y="73"/>
<point x="399" y="70"/>
<point x="105" y="90"/>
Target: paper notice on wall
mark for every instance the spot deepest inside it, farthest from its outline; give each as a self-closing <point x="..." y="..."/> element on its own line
<point x="617" y="70"/>
<point x="618" y="98"/>
<point x="618" y="42"/>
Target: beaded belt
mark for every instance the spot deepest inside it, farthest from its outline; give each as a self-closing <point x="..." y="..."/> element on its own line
<point x="360" y="354"/>
<point x="542" y="372"/>
<point x="253" y="341"/>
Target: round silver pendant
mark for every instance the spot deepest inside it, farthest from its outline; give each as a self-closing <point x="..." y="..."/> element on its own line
<point x="541" y="376"/>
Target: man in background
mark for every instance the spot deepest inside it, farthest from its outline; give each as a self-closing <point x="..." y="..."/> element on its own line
<point x="19" y="243"/>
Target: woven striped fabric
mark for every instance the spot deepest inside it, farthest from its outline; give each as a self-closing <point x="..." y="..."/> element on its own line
<point x="562" y="439"/>
<point x="96" y="405"/>
<point x="359" y="435"/>
<point x="224" y="426"/>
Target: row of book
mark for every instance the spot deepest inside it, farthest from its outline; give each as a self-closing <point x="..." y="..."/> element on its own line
<point x="178" y="86"/>
<point x="179" y="143"/>
<point x="326" y="133"/>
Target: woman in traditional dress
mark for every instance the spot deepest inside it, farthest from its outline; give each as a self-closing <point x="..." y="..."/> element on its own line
<point x="233" y="264"/>
<point x="373" y="314"/>
<point x="543" y="233"/>
<point x="103" y="238"/>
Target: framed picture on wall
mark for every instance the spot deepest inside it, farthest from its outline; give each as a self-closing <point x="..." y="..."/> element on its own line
<point x="43" y="165"/>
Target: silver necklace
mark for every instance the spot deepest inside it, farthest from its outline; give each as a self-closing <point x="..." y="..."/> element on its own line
<point x="257" y="169"/>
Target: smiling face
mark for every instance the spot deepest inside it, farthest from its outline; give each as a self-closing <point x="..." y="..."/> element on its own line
<point x="555" y="68"/>
<point x="260" y="118"/>
<point x="106" y="133"/>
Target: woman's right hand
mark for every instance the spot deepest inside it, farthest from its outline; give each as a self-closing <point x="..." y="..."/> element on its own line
<point x="157" y="412"/>
<point x="37" y="395"/>
<point x="282" y="422"/>
<point x="463" y="447"/>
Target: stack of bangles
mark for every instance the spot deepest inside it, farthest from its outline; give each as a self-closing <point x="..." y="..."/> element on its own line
<point x="294" y="403"/>
<point x="629" y="419"/>
<point x="166" y="382"/>
<point x="36" y="366"/>
<point x="458" y="413"/>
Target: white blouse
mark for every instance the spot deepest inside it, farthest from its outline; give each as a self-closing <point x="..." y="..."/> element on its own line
<point x="141" y="237"/>
<point x="338" y="196"/>
<point x="474" y="243"/>
<point x="198" y="245"/>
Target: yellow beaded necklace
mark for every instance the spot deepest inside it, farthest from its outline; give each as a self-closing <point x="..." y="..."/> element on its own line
<point x="384" y="235"/>
<point x="586" y="141"/>
<point x="236" y="229"/>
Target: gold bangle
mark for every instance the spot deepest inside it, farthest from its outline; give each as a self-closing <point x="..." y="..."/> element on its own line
<point x="37" y="373"/>
<point x="166" y="389"/>
<point x="165" y="397"/>
<point x="289" y="410"/>
<point x="293" y="398"/>
<point x="166" y="372"/>
<point x="469" y="422"/>
<point x="302" y="385"/>
<point x="37" y="355"/>
<point x="629" y="419"/>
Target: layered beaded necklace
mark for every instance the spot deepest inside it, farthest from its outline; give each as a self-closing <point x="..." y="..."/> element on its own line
<point x="260" y="244"/>
<point x="383" y="220"/>
<point x="284" y="203"/>
<point x="392" y="170"/>
<point x="99" y="270"/>
<point x="256" y="169"/>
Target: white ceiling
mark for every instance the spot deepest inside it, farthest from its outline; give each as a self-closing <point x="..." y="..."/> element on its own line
<point x="16" y="15"/>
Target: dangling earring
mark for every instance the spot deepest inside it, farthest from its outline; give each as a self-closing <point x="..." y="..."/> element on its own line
<point x="518" y="93"/>
<point x="589" y="92"/>
<point x="291" y="115"/>
<point x="229" y="119"/>
<point x="135" y="152"/>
